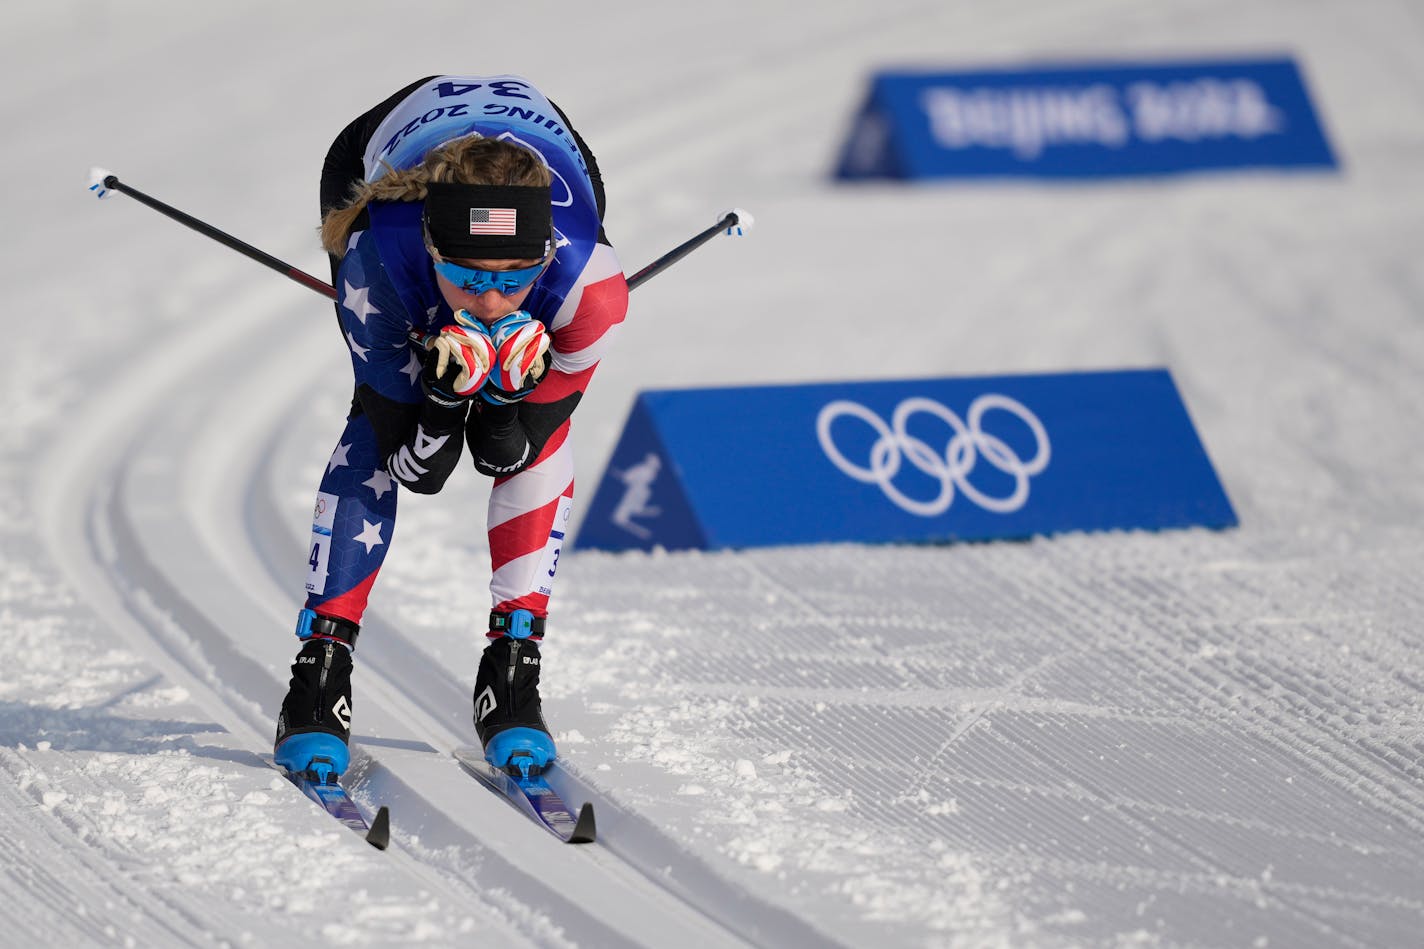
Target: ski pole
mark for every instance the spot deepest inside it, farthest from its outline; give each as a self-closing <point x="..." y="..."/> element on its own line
<point x="735" y="221"/>
<point x="102" y="182"/>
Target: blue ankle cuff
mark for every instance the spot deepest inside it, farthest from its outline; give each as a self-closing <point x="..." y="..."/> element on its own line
<point x="321" y="752"/>
<point x="539" y="745"/>
<point x="521" y="624"/>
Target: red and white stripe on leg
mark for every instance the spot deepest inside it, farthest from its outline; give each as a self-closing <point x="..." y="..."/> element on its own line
<point x="528" y="516"/>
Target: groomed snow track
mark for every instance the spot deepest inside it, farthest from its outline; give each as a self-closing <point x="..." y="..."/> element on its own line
<point x="164" y="516"/>
<point x="1186" y="739"/>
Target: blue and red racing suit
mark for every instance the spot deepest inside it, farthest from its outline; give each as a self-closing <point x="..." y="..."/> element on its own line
<point x="385" y="283"/>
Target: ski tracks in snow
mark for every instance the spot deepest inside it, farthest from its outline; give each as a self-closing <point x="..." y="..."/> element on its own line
<point x="161" y="517"/>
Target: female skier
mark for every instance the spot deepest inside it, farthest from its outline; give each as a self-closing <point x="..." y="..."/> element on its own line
<point x="476" y="292"/>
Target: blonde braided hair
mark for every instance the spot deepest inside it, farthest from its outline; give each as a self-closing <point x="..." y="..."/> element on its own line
<point x="471" y="160"/>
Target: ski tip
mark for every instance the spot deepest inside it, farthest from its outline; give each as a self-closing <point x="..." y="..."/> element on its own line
<point x="379" y="836"/>
<point x="584" y="830"/>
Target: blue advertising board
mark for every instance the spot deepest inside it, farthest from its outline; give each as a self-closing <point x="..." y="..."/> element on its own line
<point x="921" y="460"/>
<point x="1086" y="121"/>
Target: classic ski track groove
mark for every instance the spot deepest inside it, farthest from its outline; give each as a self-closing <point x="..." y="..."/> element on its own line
<point x="97" y="544"/>
<point x="430" y="703"/>
<point x="405" y="680"/>
<point x="89" y="532"/>
<point x="166" y="476"/>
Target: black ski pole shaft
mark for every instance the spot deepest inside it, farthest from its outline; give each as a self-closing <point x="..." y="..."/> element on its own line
<point x="730" y="220"/>
<point x="735" y="218"/>
<point x="113" y="183"/>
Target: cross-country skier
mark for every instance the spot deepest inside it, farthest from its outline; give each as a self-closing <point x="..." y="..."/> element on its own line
<point x="467" y="209"/>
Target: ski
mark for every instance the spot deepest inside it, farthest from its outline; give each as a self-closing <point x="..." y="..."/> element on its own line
<point x="532" y="795"/>
<point x="333" y="798"/>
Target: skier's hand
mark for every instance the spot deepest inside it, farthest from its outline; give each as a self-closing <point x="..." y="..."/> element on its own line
<point x="459" y="359"/>
<point x="521" y="347"/>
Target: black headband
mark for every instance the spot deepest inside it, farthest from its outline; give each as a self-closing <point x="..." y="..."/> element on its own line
<point x="498" y="222"/>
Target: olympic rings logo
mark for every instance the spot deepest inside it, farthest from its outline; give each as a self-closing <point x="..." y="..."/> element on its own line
<point x="952" y="466"/>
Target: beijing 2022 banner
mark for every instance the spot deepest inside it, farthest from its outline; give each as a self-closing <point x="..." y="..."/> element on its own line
<point x="1086" y="121"/>
<point x="921" y="460"/>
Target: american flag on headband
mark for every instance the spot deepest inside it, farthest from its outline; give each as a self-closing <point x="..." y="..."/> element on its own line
<point x="492" y="221"/>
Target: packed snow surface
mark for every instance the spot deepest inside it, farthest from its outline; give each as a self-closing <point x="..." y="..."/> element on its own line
<point x="1175" y="739"/>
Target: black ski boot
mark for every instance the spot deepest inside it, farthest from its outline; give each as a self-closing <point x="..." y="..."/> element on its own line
<point x="508" y="716"/>
<point x="314" y="726"/>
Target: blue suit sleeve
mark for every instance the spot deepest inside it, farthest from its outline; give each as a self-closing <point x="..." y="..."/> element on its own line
<point x="418" y="438"/>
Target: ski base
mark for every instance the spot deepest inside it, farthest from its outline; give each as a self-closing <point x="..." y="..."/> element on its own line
<point x="533" y="796"/>
<point x="334" y="799"/>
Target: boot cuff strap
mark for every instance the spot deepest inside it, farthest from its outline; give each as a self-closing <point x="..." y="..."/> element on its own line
<point x="517" y="624"/>
<point x="312" y="625"/>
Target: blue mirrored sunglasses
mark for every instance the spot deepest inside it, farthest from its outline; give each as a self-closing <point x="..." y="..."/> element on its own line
<point x="471" y="280"/>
